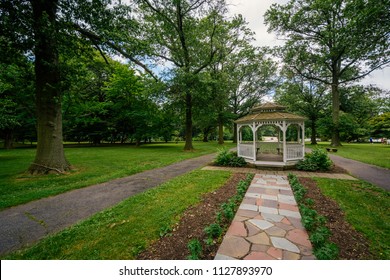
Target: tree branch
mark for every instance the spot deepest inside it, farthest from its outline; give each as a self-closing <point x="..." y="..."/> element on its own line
<point x="96" y="39"/>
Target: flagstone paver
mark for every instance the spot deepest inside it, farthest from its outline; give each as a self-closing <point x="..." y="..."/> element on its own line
<point x="267" y="224"/>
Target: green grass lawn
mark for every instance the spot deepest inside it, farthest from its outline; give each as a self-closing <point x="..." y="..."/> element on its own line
<point x="376" y="154"/>
<point x="129" y="227"/>
<point x="92" y="165"/>
<point x="366" y="208"/>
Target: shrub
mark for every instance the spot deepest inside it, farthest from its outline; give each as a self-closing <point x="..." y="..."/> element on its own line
<point x="318" y="159"/>
<point x="195" y="248"/>
<point x="226" y="158"/>
<point x="329" y="251"/>
<point x="314" y="223"/>
<point x="213" y="230"/>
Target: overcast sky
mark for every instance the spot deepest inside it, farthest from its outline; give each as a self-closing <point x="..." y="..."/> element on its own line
<point x="253" y="11"/>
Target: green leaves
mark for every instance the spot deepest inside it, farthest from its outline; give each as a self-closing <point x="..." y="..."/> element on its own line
<point x="318" y="159"/>
<point x="314" y="223"/>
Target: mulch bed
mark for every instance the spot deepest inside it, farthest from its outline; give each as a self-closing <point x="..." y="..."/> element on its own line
<point x="191" y="226"/>
<point x="352" y="244"/>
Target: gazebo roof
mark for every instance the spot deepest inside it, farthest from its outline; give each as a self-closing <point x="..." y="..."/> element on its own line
<point x="267" y="112"/>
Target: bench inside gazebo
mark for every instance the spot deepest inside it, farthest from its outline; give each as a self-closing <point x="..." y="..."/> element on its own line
<point x="270" y="136"/>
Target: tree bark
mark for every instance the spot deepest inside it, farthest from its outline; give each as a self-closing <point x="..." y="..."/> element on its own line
<point x="188" y="134"/>
<point x="50" y="155"/>
<point x="335" y="114"/>
<point x="313" y="132"/>
<point x="206" y="132"/>
<point x="8" y="139"/>
<point x="235" y="133"/>
<point x="220" y="132"/>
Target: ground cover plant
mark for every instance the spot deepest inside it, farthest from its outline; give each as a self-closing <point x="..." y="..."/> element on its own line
<point x="201" y="228"/>
<point x="214" y="232"/>
<point x="92" y="165"/>
<point x="228" y="158"/>
<point x="128" y="228"/>
<point x="314" y="223"/>
<point x="366" y="208"/>
<point x="376" y="154"/>
<point x="317" y="159"/>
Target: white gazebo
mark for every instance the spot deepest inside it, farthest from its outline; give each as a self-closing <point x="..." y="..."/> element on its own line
<point x="270" y="136"/>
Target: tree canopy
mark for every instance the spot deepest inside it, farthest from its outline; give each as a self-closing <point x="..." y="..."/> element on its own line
<point x="333" y="41"/>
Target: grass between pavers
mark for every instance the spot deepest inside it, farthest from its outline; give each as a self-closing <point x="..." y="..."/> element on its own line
<point x="375" y="154"/>
<point x="129" y="227"/>
<point x="366" y="208"/>
<point x="92" y="165"/>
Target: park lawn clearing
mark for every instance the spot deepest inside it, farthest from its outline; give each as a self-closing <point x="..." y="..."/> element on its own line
<point x="92" y="165"/>
<point x="366" y="208"/>
<point x="128" y="228"/>
<point x="375" y="154"/>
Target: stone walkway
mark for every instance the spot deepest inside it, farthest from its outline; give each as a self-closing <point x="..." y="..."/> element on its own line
<point x="267" y="225"/>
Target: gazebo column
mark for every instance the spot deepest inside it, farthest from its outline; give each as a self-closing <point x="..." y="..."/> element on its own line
<point x="254" y="140"/>
<point x="239" y="134"/>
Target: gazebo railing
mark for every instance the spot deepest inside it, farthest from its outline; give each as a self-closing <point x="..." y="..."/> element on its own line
<point x="245" y="150"/>
<point x="294" y="151"/>
<point x="269" y="147"/>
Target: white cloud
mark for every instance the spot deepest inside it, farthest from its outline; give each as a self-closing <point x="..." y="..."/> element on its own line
<point x="253" y="11"/>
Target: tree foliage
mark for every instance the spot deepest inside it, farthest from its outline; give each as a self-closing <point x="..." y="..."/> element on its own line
<point x="333" y="41"/>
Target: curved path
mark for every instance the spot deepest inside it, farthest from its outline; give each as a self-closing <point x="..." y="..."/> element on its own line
<point x="375" y="175"/>
<point x="26" y="224"/>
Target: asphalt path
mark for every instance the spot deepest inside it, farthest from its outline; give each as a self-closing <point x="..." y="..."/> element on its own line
<point x="26" y="224"/>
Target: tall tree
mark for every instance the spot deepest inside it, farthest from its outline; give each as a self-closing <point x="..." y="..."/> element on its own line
<point x="184" y="34"/>
<point x="251" y="77"/>
<point x="333" y="41"/>
<point x="50" y="152"/>
<point x="42" y="29"/>
<point x="307" y="98"/>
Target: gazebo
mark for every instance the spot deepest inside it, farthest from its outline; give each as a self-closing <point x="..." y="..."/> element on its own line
<point x="270" y="136"/>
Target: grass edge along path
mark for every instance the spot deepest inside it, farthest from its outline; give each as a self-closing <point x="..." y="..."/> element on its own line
<point x="124" y="230"/>
<point x="374" y="154"/>
<point x="93" y="165"/>
<point x="366" y="208"/>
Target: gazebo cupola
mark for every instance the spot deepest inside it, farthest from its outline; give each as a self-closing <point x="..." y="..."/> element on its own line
<point x="270" y="136"/>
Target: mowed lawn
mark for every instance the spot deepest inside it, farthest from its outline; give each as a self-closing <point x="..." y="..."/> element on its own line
<point x="92" y="165"/>
<point x="126" y="229"/>
<point x="366" y="208"/>
<point x="375" y="154"/>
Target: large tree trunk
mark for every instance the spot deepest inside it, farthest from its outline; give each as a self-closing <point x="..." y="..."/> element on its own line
<point x="50" y="155"/>
<point x="235" y="133"/>
<point x="206" y="132"/>
<point x="8" y="139"/>
<point x="188" y="135"/>
<point x="335" y="114"/>
<point x="313" y="132"/>
<point x="220" y="131"/>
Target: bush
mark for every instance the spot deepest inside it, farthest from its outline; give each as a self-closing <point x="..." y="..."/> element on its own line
<point x="314" y="223"/>
<point x="195" y="248"/>
<point x="226" y="158"/>
<point x="318" y="159"/>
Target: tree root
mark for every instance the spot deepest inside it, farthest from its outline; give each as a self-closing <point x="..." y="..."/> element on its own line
<point x="47" y="169"/>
